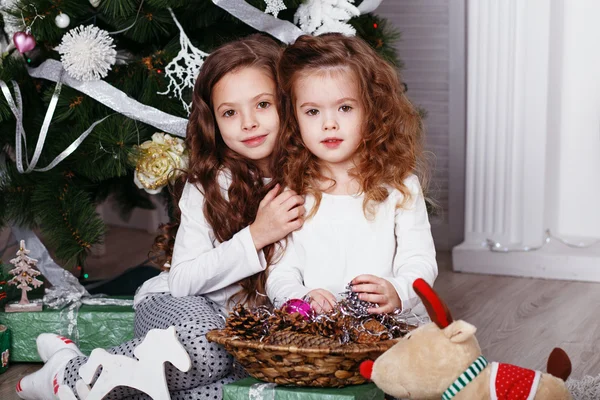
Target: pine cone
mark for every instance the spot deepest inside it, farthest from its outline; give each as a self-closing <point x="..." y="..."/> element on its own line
<point x="332" y="326"/>
<point x="281" y="321"/>
<point x="244" y="324"/>
<point x="369" y="331"/>
<point x="302" y="340"/>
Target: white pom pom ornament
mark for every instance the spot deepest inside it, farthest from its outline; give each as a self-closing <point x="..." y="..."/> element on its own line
<point x="87" y="53"/>
<point x="62" y="20"/>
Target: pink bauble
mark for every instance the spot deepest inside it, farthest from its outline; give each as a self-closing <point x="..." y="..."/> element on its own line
<point x="24" y="41"/>
<point x="297" y="306"/>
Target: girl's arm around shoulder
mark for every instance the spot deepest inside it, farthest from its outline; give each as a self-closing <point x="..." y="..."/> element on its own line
<point x="200" y="263"/>
<point x="415" y="250"/>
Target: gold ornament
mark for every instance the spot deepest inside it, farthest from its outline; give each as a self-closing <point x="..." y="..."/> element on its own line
<point x="159" y="161"/>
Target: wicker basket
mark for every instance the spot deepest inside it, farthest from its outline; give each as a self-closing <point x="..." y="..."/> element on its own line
<point x="291" y="365"/>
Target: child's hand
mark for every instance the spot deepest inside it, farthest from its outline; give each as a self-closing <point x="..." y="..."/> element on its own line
<point x="277" y="216"/>
<point x="321" y="300"/>
<point x="377" y="290"/>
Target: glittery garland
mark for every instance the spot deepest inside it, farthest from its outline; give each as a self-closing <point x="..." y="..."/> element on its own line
<point x="350" y="308"/>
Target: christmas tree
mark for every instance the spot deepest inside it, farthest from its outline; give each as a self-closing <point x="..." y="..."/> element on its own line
<point x="126" y="69"/>
<point x="24" y="273"/>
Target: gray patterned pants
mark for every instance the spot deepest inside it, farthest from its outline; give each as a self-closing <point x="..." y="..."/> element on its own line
<point x="193" y="317"/>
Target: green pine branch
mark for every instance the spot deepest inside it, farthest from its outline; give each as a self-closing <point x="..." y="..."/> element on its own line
<point x="68" y="218"/>
<point x="152" y="24"/>
<point x="105" y="153"/>
<point x="118" y="9"/>
<point x="44" y="29"/>
<point x="380" y="35"/>
<point x="18" y="190"/>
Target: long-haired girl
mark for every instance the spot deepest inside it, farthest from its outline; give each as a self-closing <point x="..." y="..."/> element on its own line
<point x="230" y="216"/>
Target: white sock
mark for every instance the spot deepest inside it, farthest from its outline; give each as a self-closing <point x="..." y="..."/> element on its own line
<point x="44" y="384"/>
<point x="50" y="343"/>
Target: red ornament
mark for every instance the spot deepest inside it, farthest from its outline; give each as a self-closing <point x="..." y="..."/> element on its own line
<point x="24" y="41"/>
<point x="375" y="25"/>
<point x="366" y="368"/>
<point x="297" y="306"/>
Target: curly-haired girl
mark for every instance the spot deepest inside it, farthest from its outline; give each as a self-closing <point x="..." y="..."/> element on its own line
<point x="231" y="213"/>
<point x="351" y="144"/>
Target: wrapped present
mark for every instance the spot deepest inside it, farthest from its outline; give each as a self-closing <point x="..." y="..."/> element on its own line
<point x="4" y="348"/>
<point x="251" y="388"/>
<point x="90" y="326"/>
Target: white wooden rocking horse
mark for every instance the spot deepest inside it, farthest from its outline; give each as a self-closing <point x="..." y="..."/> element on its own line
<point x="146" y="375"/>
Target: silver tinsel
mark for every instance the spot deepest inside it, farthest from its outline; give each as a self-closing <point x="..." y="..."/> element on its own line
<point x="355" y="306"/>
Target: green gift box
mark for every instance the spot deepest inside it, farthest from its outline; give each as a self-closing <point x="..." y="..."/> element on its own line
<point x="240" y="390"/>
<point x="91" y="327"/>
<point x="4" y="348"/>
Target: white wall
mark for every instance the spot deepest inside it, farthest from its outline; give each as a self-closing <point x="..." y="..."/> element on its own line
<point x="424" y="48"/>
<point x="533" y="139"/>
<point x="573" y="161"/>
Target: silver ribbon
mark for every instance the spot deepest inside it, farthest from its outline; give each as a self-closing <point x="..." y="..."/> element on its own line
<point x="262" y="391"/>
<point x="69" y="292"/>
<point x="45" y="126"/>
<point x="16" y="106"/>
<point x="61" y="297"/>
<point x="283" y="30"/>
<point x="72" y="147"/>
<point x="73" y="293"/>
<point x="134" y="21"/>
<point x="113" y="98"/>
<point x="368" y="6"/>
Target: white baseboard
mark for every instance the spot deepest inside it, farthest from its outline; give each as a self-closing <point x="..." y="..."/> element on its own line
<point x="553" y="261"/>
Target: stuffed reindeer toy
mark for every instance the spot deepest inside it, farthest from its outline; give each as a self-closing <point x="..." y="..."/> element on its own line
<point x="442" y="359"/>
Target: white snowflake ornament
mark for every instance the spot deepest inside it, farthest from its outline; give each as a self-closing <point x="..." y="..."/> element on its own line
<point x="87" y="53"/>
<point x="274" y="7"/>
<point x="317" y="17"/>
<point x="183" y="69"/>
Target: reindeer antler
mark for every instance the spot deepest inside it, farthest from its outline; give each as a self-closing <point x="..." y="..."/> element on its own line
<point x="438" y="310"/>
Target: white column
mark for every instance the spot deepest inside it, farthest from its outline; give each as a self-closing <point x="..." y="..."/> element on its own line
<point x="528" y="135"/>
<point x="574" y="135"/>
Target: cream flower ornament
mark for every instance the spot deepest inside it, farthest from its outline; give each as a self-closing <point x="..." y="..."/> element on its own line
<point x="159" y="161"/>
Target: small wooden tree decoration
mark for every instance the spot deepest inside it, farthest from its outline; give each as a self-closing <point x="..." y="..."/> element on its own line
<point x="24" y="278"/>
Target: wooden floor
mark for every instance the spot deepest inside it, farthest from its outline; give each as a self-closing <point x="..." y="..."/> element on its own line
<point x="519" y="320"/>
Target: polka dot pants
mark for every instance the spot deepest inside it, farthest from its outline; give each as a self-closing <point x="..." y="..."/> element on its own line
<point x="193" y="317"/>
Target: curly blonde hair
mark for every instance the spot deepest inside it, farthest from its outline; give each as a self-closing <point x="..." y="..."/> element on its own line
<point x="391" y="148"/>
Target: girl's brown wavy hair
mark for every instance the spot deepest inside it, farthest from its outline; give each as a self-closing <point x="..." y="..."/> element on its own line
<point x="391" y="147"/>
<point x="209" y="156"/>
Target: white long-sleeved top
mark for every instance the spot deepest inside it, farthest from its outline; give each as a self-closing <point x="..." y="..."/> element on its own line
<point x="201" y="265"/>
<point x="339" y="243"/>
